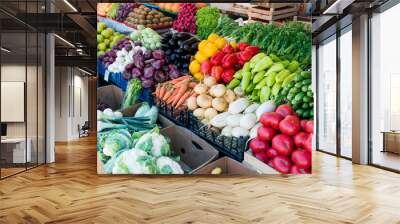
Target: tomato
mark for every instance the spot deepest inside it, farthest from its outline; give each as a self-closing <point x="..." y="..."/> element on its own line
<point x="308" y="143"/>
<point x="282" y="164"/>
<point x="271" y="152"/>
<point x="271" y="119"/>
<point x="297" y="170"/>
<point x="302" y="158"/>
<point x="216" y="72"/>
<point x="290" y="125"/>
<point x="283" y="144"/>
<point x="257" y="146"/>
<point x="310" y="127"/>
<point x="300" y="139"/>
<point x="262" y="157"/>
<point x="265" y="133"/>
<point x="205" y="67"/>
<point x="284" y="110"/>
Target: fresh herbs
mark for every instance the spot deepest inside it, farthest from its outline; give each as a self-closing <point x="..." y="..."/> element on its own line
<point x="206" y="21"/>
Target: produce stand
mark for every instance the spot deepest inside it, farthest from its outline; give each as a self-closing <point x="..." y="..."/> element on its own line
<point x="230" y="98"/>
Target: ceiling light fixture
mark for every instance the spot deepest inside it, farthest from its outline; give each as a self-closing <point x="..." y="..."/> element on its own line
<point x="70" y="5"/>
<point x="5" y="50"/>
<point x="84" y="71"/>
<point x="64" y="40"/>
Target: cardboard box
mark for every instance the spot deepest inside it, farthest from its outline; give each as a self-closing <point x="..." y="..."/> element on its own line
<point x="193" y="151"/>
<point x="229" y="167"/>
<point x="259" y="166"/>
<point x="111" y="96"/>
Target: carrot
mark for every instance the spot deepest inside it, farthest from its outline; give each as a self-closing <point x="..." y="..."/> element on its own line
<point x="162" y="92"/>
<point x="193" y="94"/>
<point x="179" y="94"/>
<point x="183" y="99"/>
<point x="173" y="97"/>
<point x="192" y="84"/>
<point x="174" y="81"/>
<point x="157" y="92"/>
<point x="167" y="95"/>
<point x="181" y="83"/>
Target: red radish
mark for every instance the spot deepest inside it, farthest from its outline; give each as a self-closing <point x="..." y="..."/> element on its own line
<point x="283" y="144"/>
<point x="228" y="49"/>
<point x="271" y="152"/>
<point x="262" y="157"/>
<point x="271" y="119"/>
<point x="297" y="170"/>
<point x="302" y="158"/>
<point x="205" y="67"/>
<point x="284" y="110"/>
<point x="270" y="163"/>
<point x="310" y="126"/>
<point x="265" y="133"/>
<point x="300" y="139"/>
<point x="308" y="143"/>
<point x="290" y="125"/>
<point x="257" y="146"/>
<point x="303" y="125"/>
<point x="282" y="164"/>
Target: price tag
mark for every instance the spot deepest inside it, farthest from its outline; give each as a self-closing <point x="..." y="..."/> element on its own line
<point x="106" y="75"/>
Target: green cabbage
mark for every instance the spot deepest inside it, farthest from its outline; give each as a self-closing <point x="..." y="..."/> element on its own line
<point x="166" y="165"/>
<point x="117" y="140"/>
<point x="135" y="161"/>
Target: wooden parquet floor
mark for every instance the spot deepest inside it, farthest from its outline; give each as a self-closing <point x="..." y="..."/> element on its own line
<point x="70" y="191"/>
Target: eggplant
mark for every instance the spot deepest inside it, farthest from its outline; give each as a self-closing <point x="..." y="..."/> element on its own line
<point x="179" y="50"/>
<point x="168" y="52"/>
<point x="172" y="43"/>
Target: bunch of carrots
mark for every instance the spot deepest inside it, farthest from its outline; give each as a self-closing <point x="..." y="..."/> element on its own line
<point x="175" y="92"/>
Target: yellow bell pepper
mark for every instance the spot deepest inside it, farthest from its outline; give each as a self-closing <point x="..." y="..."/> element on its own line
<point x="210" y="49"/>
<point x="202" y="44"/>
<point x="194" y="67"/>
<point x="199" y="76"/>
<point x="234" y="44"/>
<point x="213" y="37"/>
<point x="200" y="56"/>
<point x="220" y="42"/>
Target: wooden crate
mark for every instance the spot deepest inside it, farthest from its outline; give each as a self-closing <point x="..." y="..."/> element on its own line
<point x="267" y="14"/>
<point x="239" y="8"/>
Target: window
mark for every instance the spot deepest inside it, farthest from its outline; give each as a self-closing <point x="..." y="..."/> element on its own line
<point x="327" y="95"/>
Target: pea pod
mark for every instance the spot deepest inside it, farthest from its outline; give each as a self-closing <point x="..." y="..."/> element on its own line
<point x="258" y="77"/>
<point x="262" y="83"/>
<point x="264" y="94"/>
<point x="245" y="80"/>
<point x="271" y="79"/>
<point x="234" y="83"/>
<point x="263" y="64"/>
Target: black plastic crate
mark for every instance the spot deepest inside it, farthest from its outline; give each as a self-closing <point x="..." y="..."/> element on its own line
<point x="178" y="116"/>
<point x="230" y="146"/>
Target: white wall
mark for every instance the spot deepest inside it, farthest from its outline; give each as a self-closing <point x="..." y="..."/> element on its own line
<point x="71" y="103"/>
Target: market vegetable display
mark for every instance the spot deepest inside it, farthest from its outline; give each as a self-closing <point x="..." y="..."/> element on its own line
<point x="132" y="93"/>
<point x="179" y="48"/>
<point x="112" y="13"/>
<point x="103" y="8"/>
<point x="109" y="56"/>
<point x="147" y="17"/>
<point x="106" y="38"/>
<point x="284" y="142"/>
<point x="206" y="21"/>
<point x="186" y="21"/>
<point x="148" y="37"/>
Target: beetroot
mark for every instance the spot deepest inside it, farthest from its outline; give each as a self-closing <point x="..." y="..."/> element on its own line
<point x="186" y="21"/>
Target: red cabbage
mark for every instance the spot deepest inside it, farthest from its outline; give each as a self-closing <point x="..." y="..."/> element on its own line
<point x="147" y="83"/>
<point x="173" y="72"/>
<point x="147" y="55"/>
<point x="149" y="72"/>
<point x="136" y="72"/>
<point x="160" y="77"/>
<point x="138" y="60"/>
<point x="158" y="54"/>
<point x="156" y="64"/>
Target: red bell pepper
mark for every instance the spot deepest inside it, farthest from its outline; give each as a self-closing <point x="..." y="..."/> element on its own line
<point x="227" y="75"/>
<point x="217" y="58"/>
<point x="245" y="56"/>
<point x="253" y="49"/>
<point x="242" y="46"/>
<point x="229" y="61"/>
<point x="228" y="49"/>
<point x="216" y="72"/>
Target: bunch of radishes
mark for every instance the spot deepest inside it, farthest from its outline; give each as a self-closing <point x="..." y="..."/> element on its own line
<point x="186" y="21"/>
<point x="284" y="142"/>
